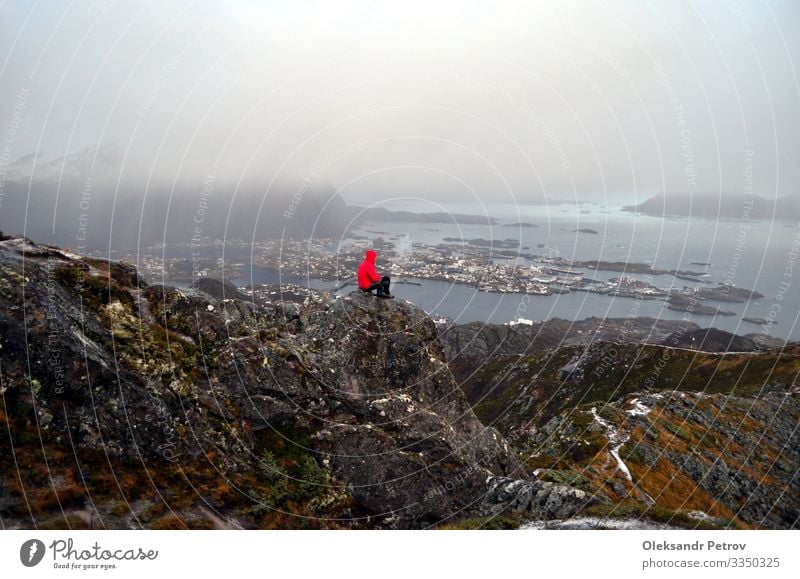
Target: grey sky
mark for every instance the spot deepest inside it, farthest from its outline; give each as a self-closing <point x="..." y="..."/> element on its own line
<point x="495" y="100"/>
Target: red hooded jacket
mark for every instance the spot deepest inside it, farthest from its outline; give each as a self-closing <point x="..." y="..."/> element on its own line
<point x="367" y="274"/>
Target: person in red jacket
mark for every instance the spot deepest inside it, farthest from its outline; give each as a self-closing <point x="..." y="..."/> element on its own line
<point x="368" y="278"/>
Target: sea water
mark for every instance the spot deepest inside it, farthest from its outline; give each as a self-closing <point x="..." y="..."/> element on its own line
<point x="758" y="255"/>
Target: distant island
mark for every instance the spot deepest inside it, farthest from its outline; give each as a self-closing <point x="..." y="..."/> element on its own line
<point x="684" y="303"/>
<point x="710" y="206"/>
<point x="760" y="321"/>
<point x="629" y="268"/>
<point x="522" y="224"/>
<point x="480" y="242"/>
<point x="383" y="215"/>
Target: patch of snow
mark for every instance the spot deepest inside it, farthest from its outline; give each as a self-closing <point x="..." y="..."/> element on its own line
<point x="700" y="516"/>
<point x="88" y="345"/>
<point x="83" y="339"/>
<point x="615" y="439"/>
<point x="69" y="254"/>
<point x="580" y="523"/>
<point x="639" y="409"/>
<point x="17" y="242"/>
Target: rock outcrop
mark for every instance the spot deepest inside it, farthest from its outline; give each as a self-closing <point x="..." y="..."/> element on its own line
<point x="476" y="341"/>
<point x="340" y="413"/>
<point x="130" y="405"/>
<point x="385" y="412"/>
<point x="541" y="500"/>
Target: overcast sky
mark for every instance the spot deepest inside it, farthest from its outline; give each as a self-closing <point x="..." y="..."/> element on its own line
<point x="441" y="100"/>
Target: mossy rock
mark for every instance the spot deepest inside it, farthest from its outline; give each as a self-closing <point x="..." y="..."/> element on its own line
<point x="499" y="523"/>
<point x="96" y="292"/>
<point x="566" y="477"/>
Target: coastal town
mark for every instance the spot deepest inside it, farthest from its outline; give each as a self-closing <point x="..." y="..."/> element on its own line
<point x="487" y="267"/>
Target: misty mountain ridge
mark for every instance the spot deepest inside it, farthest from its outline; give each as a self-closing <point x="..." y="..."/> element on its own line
<point x="711" y="206"/>
<point x="91" y="215"/>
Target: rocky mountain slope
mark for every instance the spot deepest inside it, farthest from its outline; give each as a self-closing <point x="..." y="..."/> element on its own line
<point x="685" y="438"/>
<point x="475" y="341"/>
<point x="126" y="405"/>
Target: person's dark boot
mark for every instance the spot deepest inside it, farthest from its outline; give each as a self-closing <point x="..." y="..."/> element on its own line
<point x="383" y="290"/>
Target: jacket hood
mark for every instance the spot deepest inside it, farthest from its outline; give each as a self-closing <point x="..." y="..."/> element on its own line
<point x="371" y="255"/>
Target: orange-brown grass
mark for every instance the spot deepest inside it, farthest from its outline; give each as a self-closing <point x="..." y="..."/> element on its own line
<point x="672" y="489"/>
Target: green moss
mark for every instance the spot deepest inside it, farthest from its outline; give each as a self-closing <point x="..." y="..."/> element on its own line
<point x="630" y="453"/>
<point x="155" y="351"/>
<point x="121" y="273"/>
<point x="168" y="522"/>
<point x="566" y="477"/>
<point x="655" y="513"/>
<point x="313" y="478"/>
<point x="95" y="292"/>
<point x="675" y="429"/>
<point x="610" y="414"/>
<point x="499" y="523"/>
<point x="289" y="478"/>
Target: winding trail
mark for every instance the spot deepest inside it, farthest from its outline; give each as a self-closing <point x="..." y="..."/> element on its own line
<point x="617" y="438"/>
